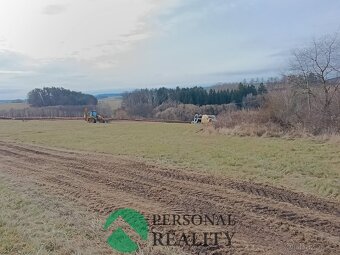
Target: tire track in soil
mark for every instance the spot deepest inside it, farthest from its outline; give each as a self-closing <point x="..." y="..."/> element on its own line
<point x="267" y="217"/>
<point x="267" y="191"/>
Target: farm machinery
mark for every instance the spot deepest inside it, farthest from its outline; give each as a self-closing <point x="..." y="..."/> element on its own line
<point x="203" y="119"/>
<point x="93" y="117"/>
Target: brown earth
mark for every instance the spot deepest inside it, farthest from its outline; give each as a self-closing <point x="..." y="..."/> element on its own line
<point x="268" y="220"/>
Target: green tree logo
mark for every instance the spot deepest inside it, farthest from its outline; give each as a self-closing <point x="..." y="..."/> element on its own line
<point x="119" y="240"/>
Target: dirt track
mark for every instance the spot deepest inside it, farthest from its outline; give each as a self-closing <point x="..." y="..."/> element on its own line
<point x="268" y="220"/>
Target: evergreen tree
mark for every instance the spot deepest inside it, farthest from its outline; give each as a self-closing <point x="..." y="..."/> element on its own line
<point x="262" y="89"/>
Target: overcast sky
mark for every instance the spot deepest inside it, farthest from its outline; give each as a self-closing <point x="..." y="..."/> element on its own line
<point x="108" y="45"/>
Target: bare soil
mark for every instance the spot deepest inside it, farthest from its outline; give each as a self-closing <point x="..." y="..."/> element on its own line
<point x="269" y="220"/>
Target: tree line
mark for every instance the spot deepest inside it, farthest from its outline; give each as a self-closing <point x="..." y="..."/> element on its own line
<point x="52" y="96"/>
<point x="196" y="95"/>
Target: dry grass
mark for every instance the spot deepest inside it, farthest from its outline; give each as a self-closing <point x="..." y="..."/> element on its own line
<point x="114" y="103"/>
<point x="152" y="250"/>
<point x="248" y="123"/>
<point x="32" y="222"/>
<point x="260" y="123"/>
<point x="15" y="106"/>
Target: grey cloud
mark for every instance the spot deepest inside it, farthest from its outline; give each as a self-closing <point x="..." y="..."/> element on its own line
<point x="246" y="72"/>
<point x="12" y="63"/>
<point x="281" y="53"/>
<point x="54" y="9"/>
<point x="20" y="73"/>
<point x="16" y="72"/>
<point x="10" y="94"/>
<point x="9" y="91"/>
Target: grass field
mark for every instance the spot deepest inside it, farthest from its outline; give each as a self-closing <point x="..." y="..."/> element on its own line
<point x="15" y="106"/>
<point x="113" y="103"/>
<point x="32" y="222"/>
<point x="300" y="164"/>
<point x="38" y="224"/>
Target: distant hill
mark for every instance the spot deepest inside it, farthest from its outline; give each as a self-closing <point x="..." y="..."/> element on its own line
<point x="109" y="95"/>
<point x="334" y="80"/>
<point x="12" y="101"/>
<point x="5" y="101"/>
<point x="223" y="86"/>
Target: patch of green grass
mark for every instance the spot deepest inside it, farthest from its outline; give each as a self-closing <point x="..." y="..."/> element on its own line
<point x="300" y="164"/>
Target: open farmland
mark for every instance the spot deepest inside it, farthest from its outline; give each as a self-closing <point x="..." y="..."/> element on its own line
<point x="113" y="102"/>
<point x="69" y="175"/>
<point x="300" y="164"/>
<point x="109" y="103"/>
<point x="14" y="106"/>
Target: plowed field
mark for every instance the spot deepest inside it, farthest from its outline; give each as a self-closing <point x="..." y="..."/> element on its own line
<point x="268" y="220"/>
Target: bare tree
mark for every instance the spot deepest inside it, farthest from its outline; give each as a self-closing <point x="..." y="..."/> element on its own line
<point x="318" y="66"/>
